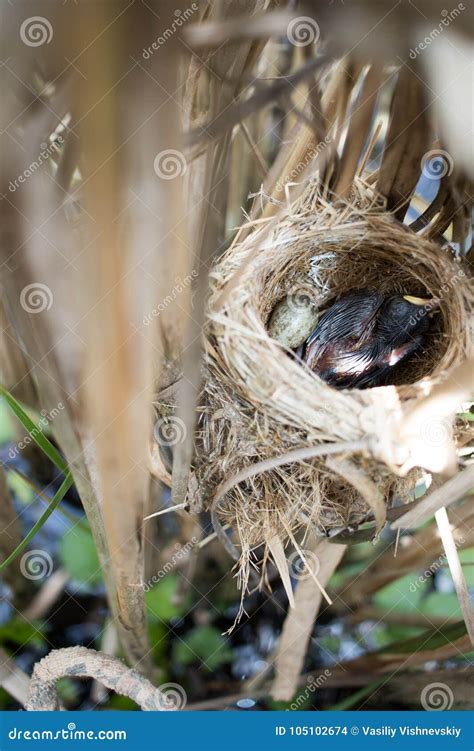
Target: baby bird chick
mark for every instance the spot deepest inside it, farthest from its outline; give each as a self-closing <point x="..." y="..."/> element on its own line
<point x="362" y="337"/>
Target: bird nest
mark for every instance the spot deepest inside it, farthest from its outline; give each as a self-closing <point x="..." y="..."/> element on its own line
<point x="279" y="451"/>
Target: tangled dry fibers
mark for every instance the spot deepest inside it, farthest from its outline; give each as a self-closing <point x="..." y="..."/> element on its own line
<point x="260" y="404"/>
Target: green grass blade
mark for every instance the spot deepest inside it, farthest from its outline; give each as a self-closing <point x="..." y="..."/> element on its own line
<point x="427" y="641"/>
<point x="36" y="434"/>
<point x="58" y="496"/>
<point x="75" y="520"/>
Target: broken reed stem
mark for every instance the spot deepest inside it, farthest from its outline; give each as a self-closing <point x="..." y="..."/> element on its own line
<point x="300" y="621"/>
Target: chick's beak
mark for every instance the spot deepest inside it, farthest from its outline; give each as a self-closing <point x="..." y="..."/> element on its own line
<point x="419" y="300"/>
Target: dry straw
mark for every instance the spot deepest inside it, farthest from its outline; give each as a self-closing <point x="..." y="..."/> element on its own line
<point x="260" y="404"/>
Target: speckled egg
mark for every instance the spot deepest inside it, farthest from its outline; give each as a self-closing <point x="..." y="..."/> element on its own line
<point x="292" y="321"/>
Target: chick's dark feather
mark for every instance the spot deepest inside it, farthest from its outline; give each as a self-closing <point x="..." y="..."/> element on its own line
<point x="340" y="321"/>
<point x="362" y="337"/>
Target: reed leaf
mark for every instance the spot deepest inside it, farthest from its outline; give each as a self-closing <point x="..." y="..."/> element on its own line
<point x="36" y="434"/>
<point x="55" y="501"/>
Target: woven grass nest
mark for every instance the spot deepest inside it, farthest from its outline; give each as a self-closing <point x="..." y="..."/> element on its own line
<point x="259" y="404"/>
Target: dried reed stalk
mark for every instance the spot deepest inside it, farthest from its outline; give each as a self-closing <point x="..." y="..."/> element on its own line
<point x="130" y="271"/>
<point x="224" y="77"/>
<point x="300" y="621"/>
<point x="98" y="278"/>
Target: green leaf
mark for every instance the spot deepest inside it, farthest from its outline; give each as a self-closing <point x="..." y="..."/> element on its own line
<point x="21" y="632"/>
<point x="53" y="454"/>
<point x="78" y="555"/>
<point x="342" y="576"/>
<point x="34" y="431"/>
<point x="331" y="643"/>
<point x="385" y="635"/>
<point x="55" y="501"/>
<point x="404" y="594"/>
<point x="161" y="600"/>
<point x="24" y="493"/>
<point x="205" y="645"/>
<point x="122" y="703"/>
<point x="20" y="483"/>
<point x="68" y="691"/>
<point x="7" y="431"/>
<point x="158" y="634"/>
<point x="427" y="641"/>
<point x="467" y="557"/>
<point x="442" y="605"/>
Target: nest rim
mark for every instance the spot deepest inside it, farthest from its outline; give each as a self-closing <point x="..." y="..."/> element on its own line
<point x="249" y="371"/>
